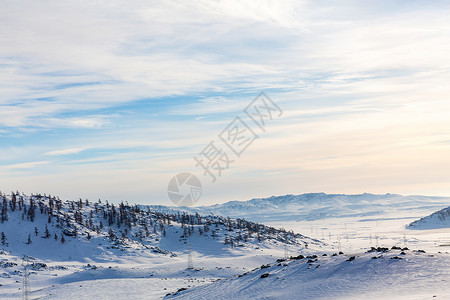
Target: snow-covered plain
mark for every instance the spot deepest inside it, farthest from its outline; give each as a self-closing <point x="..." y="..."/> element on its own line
<point x="154" y="266"/>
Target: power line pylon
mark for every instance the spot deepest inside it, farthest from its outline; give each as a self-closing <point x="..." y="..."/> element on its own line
<point x="190" y="261"/>
<point x="26" y="280"/>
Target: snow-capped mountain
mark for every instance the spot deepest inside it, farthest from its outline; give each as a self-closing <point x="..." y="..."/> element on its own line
<point x="438" y="219"/>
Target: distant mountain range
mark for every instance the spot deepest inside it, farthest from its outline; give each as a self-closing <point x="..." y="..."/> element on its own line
<point x="317" y="206"/>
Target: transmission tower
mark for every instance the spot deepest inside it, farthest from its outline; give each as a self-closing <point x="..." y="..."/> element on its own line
<point x="190" y="262"/>
<point x="26" y="280"/>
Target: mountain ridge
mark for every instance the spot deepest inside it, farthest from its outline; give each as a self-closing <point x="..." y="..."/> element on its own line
<point x="315" y="206"/>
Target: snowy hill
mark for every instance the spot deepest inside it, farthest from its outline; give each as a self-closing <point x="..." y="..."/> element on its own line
<point x="71" y="241"/>
<point x="377" y="274"/>
<point x="438" y="219"/>
<point x="46" y="227"/>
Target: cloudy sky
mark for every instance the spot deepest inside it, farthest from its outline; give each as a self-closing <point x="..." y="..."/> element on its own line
<point x="110" y="99"/>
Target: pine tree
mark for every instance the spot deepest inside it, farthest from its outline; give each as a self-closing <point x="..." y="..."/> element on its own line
<point x="47" y="233"/>
<point x="63" y="240"/>
<point x="13" y="201"/>
<point x="36" y="231"/>
<point x="4" y="243"/>
<point x="29" y="239"/>
<point x="4" y="213"/>
<point x="31" y="210"/>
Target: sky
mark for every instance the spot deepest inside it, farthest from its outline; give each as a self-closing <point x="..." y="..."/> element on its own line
<point x="110" y="99"/>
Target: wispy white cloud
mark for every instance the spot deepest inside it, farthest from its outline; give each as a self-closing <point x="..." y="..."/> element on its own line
<point x="364" y="87"/>
<point x="27" y="165"/>
<point x="65" y="151"/>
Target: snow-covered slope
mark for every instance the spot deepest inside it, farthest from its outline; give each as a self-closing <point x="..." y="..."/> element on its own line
<point x="63" y="242"/>
<point x="438" y="219"/>
<point x="46" y="227"/>
<point x="376" y="274"/>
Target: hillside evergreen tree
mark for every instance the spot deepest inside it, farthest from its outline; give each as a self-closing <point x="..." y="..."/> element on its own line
<point x="31" y="210"/>
<point x="4" y="212"/>
<point x="29" y="239"/>
<point x="3" y="239"/>
<point x="13" y="201"/>
<point x="46" y="233"/>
